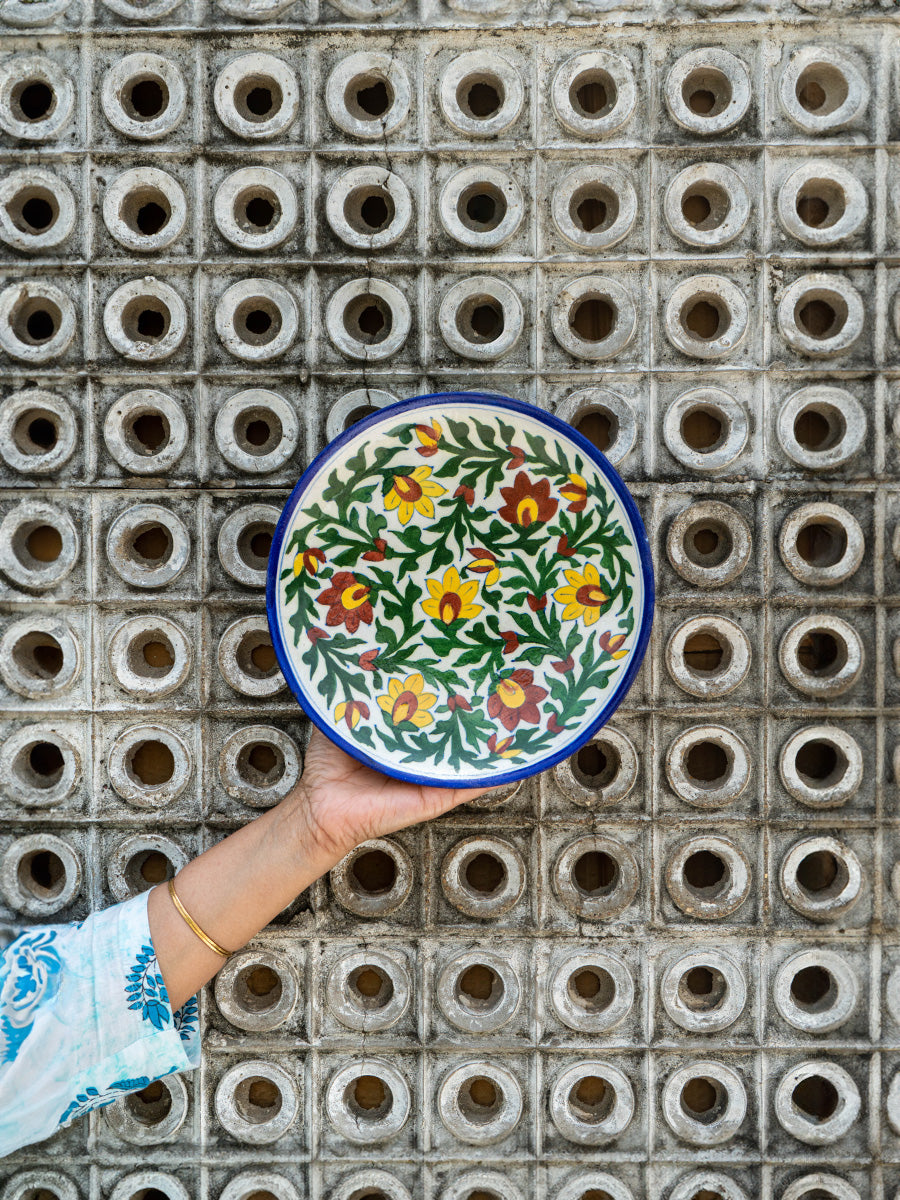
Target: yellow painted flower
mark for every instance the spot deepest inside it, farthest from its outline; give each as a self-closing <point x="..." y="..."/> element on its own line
<point x="451" y="600"/>
<point x="308" y="560"/>
<point x="612" y="643"/>
<point x="351" y="711"/>
<point x="413" y="493"/>
<point x="429" y="436"/>
<point x="583" y="596"/>
<point x="407" y="701"/>
<point x="502" y="748"/>
<point x="575" y="491"/>
<point x="485" y="564"/>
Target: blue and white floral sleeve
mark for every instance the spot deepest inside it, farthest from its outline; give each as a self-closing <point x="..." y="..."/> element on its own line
<point x="84" y="1018"/>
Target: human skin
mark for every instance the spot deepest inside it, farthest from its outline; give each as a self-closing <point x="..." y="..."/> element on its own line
<point x="237" y="887"/>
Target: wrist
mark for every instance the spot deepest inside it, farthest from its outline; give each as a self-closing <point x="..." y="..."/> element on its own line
<point x="312" y="848"/>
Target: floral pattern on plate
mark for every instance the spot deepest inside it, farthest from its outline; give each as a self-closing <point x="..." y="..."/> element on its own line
<point x="459" y="591"/>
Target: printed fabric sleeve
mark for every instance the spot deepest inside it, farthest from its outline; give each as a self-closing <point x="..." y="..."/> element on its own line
<point x="84" y="1019"/>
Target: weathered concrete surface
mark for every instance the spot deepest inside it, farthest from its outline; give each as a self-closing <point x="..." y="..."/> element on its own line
<point x="669" y="968"/>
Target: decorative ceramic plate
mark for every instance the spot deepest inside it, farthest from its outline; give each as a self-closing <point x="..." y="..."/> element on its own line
<point x="460" y="590"/>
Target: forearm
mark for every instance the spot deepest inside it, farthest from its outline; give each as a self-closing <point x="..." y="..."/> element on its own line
<point x="232" y="891"/>
<point x="238" y="886"/>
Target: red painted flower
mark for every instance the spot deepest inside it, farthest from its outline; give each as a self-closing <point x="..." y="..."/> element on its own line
<point x="347" y="600"/>
<point x="376" y="555"/>
<point x="518" y="457"/>
<point x="536" y="603"/>
<point x="308" y="560"/>
<point x="575" y="491"/>
<point x="502" y="748"/>
<point x="516" y="699"/>
<point x="457" y="701"/>
<point x="314" y="633"/>
<point x="367" y="660"/>
<point x="351" y="711"/>
<point x="612" y="643"/>
<point x="485" y="564"/>
<point x="429" y="436"/>
<point x="527" y="501"/>
<point x="563" y="547"/>
<point x="511" y="638"/>
<point x="552" y="725"/>
<point x="465" y="493"/>
<point x="565" y="665"/>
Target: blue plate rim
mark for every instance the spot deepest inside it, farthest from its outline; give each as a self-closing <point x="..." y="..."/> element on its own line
<point x="642" y="543"/>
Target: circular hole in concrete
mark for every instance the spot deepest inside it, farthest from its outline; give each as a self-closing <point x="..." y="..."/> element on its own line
<point x="593" y="318"/>
<point x="595" y="873"/>
<point x="41" y="874"/>
<point x="705" y="318"/>
<point x="813" y="989"/>
<point x="702" y="988"/>
<point x="705" y="206"/>
<point x="255" y="655"/>
<point x="151" y="545"/>
<point x="706" y="762"/>
<point x="368" y="319"/>
<point x="38" y="655"/>
<point x="479" y="988"/>
<point x="704" y="654"/>
<point x="43" y="543"/>
<point x="705" y="872"/>
<point x="818" y="871"/>
<point x="36" y="431"/>
<point x="706" y="92"/>
<point x="485" y="874"/>
<point x="145" y="319"/>
<point x="600" y="428"/>
<point x="816" y="1097"/>
<point x="822" y="543"/>
<point x="258" y="1099"/>
<point x="257" y="988"/>
<point x="596" y="764"/>
<point x="371" y="986"/>
<point x="258" y="98"/>
<point x="369" y="210"/>
<point x="369" y="97"/>
<point x="33" y="100"/>
<point x="261" y="764"/>
<point x="480" y="1099"/>
<point x="707" y="543"/>
<point x="703" y="1099"/>
<point x="820" y="763"/>
<point x="703" y="429"/>
<point x="373" y="873"/>
<point x="33" y="209"/>
<point x="151" y="762"/>
<point x="151" y="1104"/>
<point x="820" y="654"/>
<point x="592" y="988"/>
<point x="370" y="1098"/>
<point x="481" y="207"/>
<point x="145" y="98"/>
<point x="591" y="1099"/>
<point x="480" y="97"/>
<point x="593" y="94"/>
<point x="821" y="89"/>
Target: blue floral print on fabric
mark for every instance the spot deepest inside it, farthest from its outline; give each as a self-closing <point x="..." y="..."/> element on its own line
<point x="29" y="978"/>
<point x="146" y="991"/>
<point x="187" y="1019"/>
<point x="87" y="1003"/>
<point x="92" y="1097"/>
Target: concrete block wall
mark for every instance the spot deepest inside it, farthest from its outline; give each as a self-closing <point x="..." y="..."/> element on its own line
<point x="670" y="968"/>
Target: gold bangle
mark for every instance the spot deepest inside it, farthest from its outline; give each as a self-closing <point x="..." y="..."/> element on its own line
<point x="204" y="938"/>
